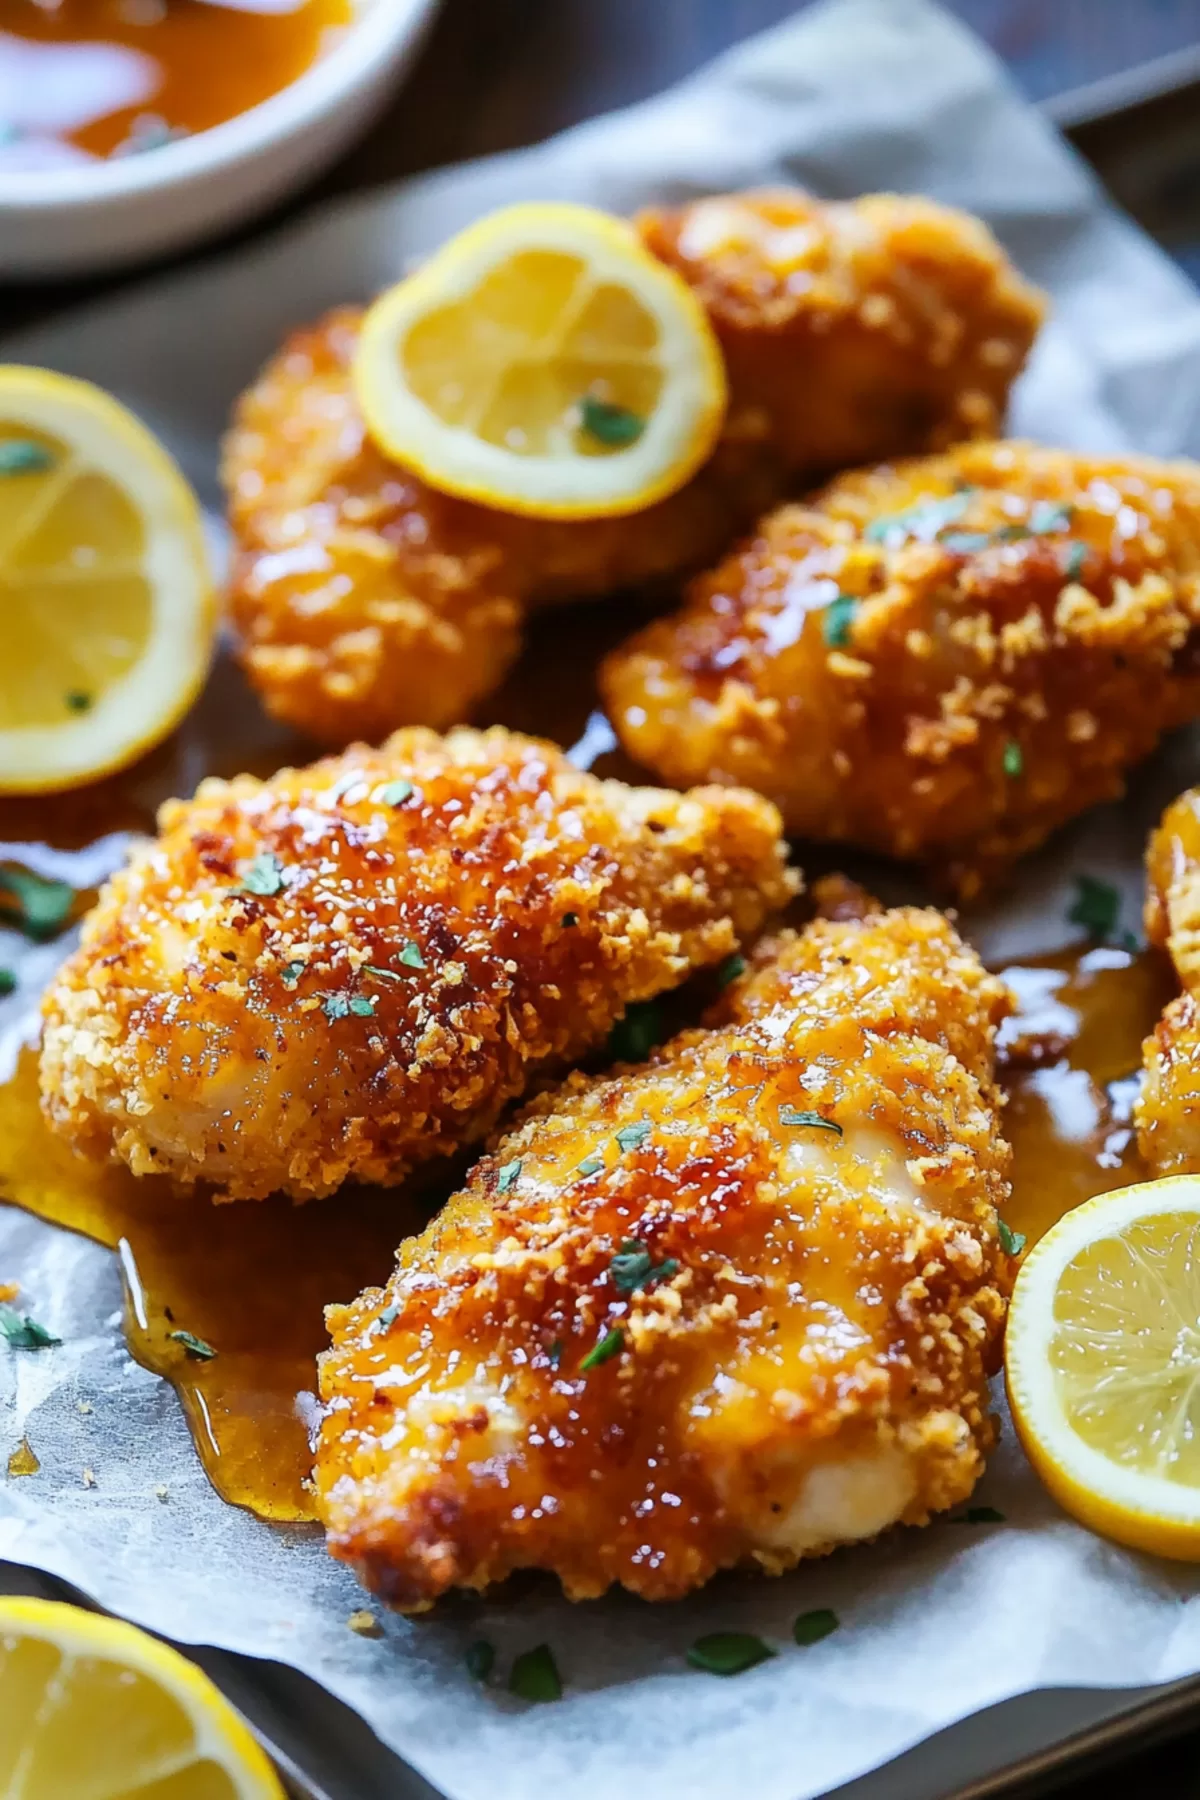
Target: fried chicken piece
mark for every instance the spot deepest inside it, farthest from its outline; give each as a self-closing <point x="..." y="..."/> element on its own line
<point x="942" y="660"/>
<point x="365" y="600"/>
<point x="737" y="1306"/>
<point x="1167" y="1113"/>
<point x="350" y="969"/>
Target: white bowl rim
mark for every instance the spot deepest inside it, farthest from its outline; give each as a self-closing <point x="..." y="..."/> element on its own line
<point x="382" y="31"/>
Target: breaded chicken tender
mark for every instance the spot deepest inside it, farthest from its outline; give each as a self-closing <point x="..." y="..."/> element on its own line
<point x="365" y="600"/>
<point x="350" y="969"/>
<point x="941" y="659"/>
<point x="1168" y="1108"/>
<point x="736" y="1306"/>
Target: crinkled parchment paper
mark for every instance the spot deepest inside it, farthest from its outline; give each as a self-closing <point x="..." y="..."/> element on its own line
<point x="858" y="94"/>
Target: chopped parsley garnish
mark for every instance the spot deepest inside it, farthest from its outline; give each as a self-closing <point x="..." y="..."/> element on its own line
<point x="8" y="982"/>
<point x="728" y="1652"/>
<point x="634" y="1036"/>
<point x="361" y="1007"/>
<point x="1011" y="1242"/>
<point x="965" y="543"/>
<point x="591" y="1165"/>
<point x="535" y="1676"/>
<point x="632" y="1137"/>
<point x="1097" y="906"/>
<point x="731" y="969"/>
<point x="22" y="456"/>
<point x="263" y="875"/>
<point x="1014" y="759"/>
<point x="335" y="1006"/>
<point x="396" y="793"/>
<point x="554" y="1353"/>
<point x="839" y="617"/>
<point x="610" y="1345"/>
<point x="792" y="1115"/>
<point x="1011" y="534"/>
<point x="811" y="1627"/>
<point x="633" y="1267"/>
<point x="1050" y="515"/>
<point x="77" y="701"/>
<point x="24" y="1333"/>
<point x="983" y="1515"/>
<point x="383" y="974"/>
<point x="480" y="1658"/>
<point x="924" y="520"/>
<point x="570" y="919"/>
<point x="509" y="1175"/>
<point x="42" y="906"/>
<point x="194" y="1346"/>
<point x="387" y="1317"/>
<point x="292" y="974"/>
<point x="614" y="426"/>
<point x="1075" y="559"/>
<point x="411" y="956"/>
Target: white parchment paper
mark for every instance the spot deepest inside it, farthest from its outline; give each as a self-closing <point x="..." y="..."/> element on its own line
<point x="854" y="95"/>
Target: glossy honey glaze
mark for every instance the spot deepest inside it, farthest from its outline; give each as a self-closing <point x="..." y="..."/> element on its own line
<point x="94" y="78"/>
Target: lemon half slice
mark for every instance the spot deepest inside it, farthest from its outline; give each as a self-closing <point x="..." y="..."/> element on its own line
<point x="543" y="362"/>
<point x="92" y="1706"/>
<point x="107" y="609"/>
<point x="1102" y="1359"/>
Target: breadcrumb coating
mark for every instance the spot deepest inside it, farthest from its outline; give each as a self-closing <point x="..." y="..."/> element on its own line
<point x="365" y="600"/>
<point x="352" y="968"/>
<point x="1167" y="1113"/>
<point x="678" y="1322"/>
<point x="941" y="659"/>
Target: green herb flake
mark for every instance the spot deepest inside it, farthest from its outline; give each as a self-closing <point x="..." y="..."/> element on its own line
<point x="263" y="875"/>
<point x="8" y="982"/>
<point x="509" y="1176"/>
<point x="292" y="974"/>
<point x="728" y="1652"/>
<point x="1014" y="760"/>
<point x="633" y="1267"/>
<point x="480" y="1658"/>
<point x="632" y="1137"/>
<point x="965" y="543"/>
<point x="396" y="793"/>
<point x="634" y="1036"/>
<point x="535" y="1676"/>
<point x="194" y="1346"/>
<point x="1076" y="557"/>
<point x="792" y="1115"/>
<point x="610" y="1345"/>
<point x="983" y="1515"/>
<point x="22" y="456"/>
<point x="387" y="1318"/>
<point x="570" y="920"/>
<point x="1011" y="1242"/>
<point x="411" y="956"/>
<point x="731" y="970"/>
<point x="1097" y="906"/>
<point x="335" y="1006"/>
<point x="23" y="1333"/>
<point x="42" y="906"/>
<point x="591" y="1165"/>
<point x="77" y="701"/>
<point x="811" y="1627"/>
<point x="1050" y="515"/>
<point x="1011" y="534"/>
<point x="838" y="620"/>
<point x="922" y="521"/>
<point x="361" y="1007"/>
<point x="613" y="426"/>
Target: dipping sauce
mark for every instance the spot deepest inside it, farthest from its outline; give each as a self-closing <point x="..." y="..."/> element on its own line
<point x="88" y="79"/>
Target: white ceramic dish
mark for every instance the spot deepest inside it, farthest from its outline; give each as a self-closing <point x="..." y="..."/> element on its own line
<point x="102" y="215"/>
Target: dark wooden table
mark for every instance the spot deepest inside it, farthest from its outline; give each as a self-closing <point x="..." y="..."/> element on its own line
<point x="499" y="73"/>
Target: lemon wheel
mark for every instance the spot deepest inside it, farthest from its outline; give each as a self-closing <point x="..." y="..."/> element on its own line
<point x="107" y="610"/>
<point x="543" y="362"/>
<point x="92" y="1707"/>
<point x="1102" y="1360"/>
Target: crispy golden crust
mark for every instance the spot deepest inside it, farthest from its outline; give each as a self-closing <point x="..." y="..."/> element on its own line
<point x="442" y="919"/>
<point x="804" y="1364"/>
<point x="1168" y="1107"/>
<point x="1023" y="633"/>
<point x="364" y="600"/>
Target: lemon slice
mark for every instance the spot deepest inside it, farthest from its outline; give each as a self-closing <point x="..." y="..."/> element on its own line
<point x="107" y="610"/>
<point x="92" y="1707"/>
<point x="545" y="363"/>
<point x="1103" y="1364"/>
